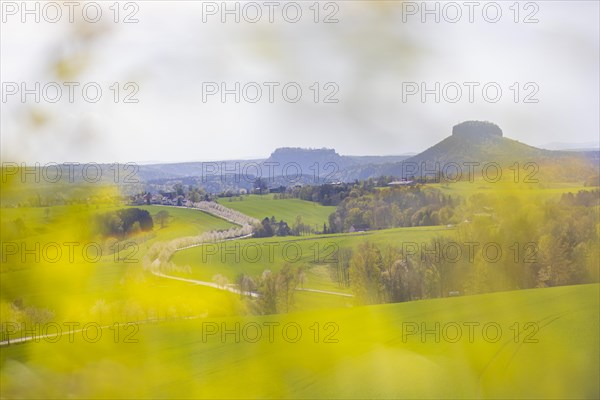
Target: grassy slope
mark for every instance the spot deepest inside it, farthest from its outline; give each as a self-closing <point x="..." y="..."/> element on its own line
<point x="313" y="214"/>
<point x="505" y="186"/>
<point x="53" y="285"/>
<point x="370" y="359"/>
<point x="253" y="256"/>
<point x="41" y="222"/>
<point x="186" y="222"/>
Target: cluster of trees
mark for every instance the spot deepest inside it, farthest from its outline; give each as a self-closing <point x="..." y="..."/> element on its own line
<point x="534" y="243"/>
<point x="377" y="276"/>
<point x="326" y="194"/>
<point x="192" y="193"/>
<point x="124" y="222"/>
<point x="260" y="185"/>
<point x="275" y="289"/>
<point x="187" y="192"/>
<point x="300" y="228"/>
<point x="586" y="198"/>
<point x="332" y="194"/>
<point x="271" y="227"/>
<point x="393" y="207"/>
<point x="163" y="218"/>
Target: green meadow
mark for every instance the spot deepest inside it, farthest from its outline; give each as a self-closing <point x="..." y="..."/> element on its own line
<point x="314" y="253"/>
<point x="261" y="206"/>
<point x="42" y="223"/>
<point x="540" y="343"/>
<point x="186" y="222"/>
<point x="508" y="186"/>
<point x="112" y="281"/>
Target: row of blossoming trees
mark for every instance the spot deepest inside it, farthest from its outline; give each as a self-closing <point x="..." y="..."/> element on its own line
<point x="159" y="255"/>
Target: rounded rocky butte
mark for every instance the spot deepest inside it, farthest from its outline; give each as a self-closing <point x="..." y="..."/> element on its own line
<point x="476" y="129"/>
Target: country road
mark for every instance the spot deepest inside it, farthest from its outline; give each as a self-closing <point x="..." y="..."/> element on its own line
<point x="230" y="287"/>
<point x="233" y="289"/>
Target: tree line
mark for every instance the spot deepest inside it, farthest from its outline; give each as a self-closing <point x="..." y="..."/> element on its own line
<point x="544" y="243"/>
<point x="276" y="290"/>
<point x="392" y="208"/>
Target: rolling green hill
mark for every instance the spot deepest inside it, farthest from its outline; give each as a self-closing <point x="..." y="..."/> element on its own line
<point x="186" y="222"/>
<point x="252" y="256"/>
<point x="363" y="352"/>
<point x="114" y="280"/>
<point x="259" y="207"/>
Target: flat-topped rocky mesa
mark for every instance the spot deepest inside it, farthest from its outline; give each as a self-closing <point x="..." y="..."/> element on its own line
<point x="476" y="129"/>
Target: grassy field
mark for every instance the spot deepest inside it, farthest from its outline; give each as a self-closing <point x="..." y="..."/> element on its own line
<point x="344" y="351"/>
<point x="313" y="214"/>
<point x="113" y="279"/>
<point x="507" y="186"/>
<point x="365" y="352"/>
<point x="186" y="222"/>
<point x="253" y="256"/>
<point x="41" y="223"/>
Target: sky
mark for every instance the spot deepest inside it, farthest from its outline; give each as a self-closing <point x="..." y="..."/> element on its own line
<point x="362" y="77"/>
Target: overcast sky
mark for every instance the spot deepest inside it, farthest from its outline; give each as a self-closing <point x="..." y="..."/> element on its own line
<point x="371" y="61"/>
